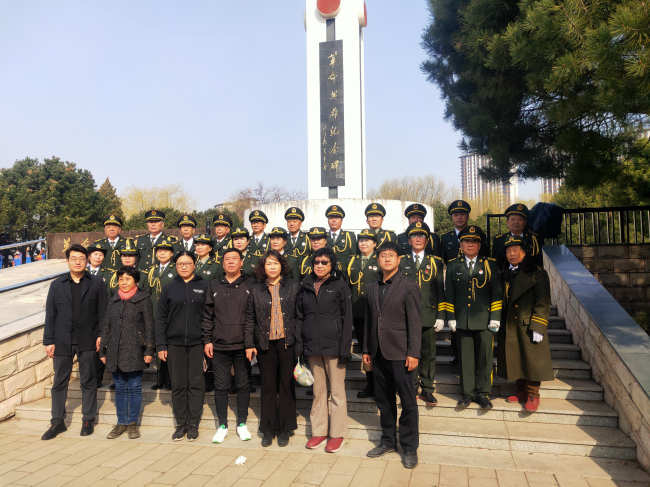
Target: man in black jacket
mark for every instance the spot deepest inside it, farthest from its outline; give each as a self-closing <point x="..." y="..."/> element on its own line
<point x="223" y="338"/>
<point x="392" y="340"/>
<point x="74" y="314"/>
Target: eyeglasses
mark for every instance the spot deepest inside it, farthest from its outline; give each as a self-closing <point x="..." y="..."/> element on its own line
<point x="75" y="260"/>
<point x="321" y="262"/>
<point x="185" y="264"/>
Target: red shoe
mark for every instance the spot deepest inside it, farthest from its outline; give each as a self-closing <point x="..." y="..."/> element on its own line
<point x="532" y="404"/>
<point x="521" y="396"/>
<point x="334" y="445"/>
<point x="316" y="442"/>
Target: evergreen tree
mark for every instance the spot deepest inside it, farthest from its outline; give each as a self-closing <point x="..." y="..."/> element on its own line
<point x="112" y="202"/>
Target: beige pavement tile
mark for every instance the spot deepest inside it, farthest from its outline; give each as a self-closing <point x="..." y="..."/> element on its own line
<point x="194" y="481"/>
<point x="395" y="471"/>
<point x="541" y="478"/>
<point x="194" y="461"/>
<point x="281" y="478"/>
<point x="45" y="450"/>
<point x="425" y="475"/>
<point x="7" y="448"/>
<point x="313" y="473"/>
<point x="327" y="458"/>
<point x="262" y="470"/>
<point x="426" y="468"/>
<point x="11" y="465"/>
<point x="214" y="465"/>
<point x="253" y="456"/>
<point x="123" y="459"/>
<point x="393" y="483"/>
<point x="42" y="476"/>
<point x="83" y="446"/>
<point x="276" y="455"/>
<point x="42" y="462"/>
<point x="130" y="469"/>
<point x="8" y="478"/>
<point x="228" y="476"/>
<point x="453" y="476"/>
<point x="247" y="483"/>
<point x="511" y="478"/>
<point x="160" y="450"/>
<point x="368" y="476"/>
<point x="565" y="480"/>
<point x="189" y="449"/>
<point x="96" y="474"/>
<point x="336" y="480"/>
<point x="299" y="485"/>
<point x="168" y="462"/>
<point x="140" y="479"/>
<point x="373" y="463"/>
<point x="95" y="461"/>
<point x="479" y="482"/>
<point x="345" y="466"/>
<point x="481" y="473"/>
<point x="80" y="456"/>
<point x="231" y="452"/>
<point x="296" y="461"/>
<point x="600" y="482"/>
<point x="106" y="483"/>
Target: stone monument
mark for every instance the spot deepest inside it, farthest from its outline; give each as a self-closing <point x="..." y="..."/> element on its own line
<point x="336" y="131"/>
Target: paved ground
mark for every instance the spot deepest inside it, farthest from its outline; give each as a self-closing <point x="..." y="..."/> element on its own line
<point x="155" y="460"/>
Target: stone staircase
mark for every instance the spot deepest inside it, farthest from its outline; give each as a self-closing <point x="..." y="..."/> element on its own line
<point x="573" y="418"/>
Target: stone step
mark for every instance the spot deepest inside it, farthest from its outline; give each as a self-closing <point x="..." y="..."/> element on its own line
<point x="565" y="439"/>
<point x="555" y="335"/>
<point x="556" y="411"/>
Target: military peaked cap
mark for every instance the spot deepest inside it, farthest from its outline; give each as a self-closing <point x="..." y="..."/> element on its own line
<point x="222" y="219"/>
<point x="164" y="244"/>
<point x="517" y="209"/>
<point x="294" y="213"/>
<point x="334" y="211"/>
<point x="279" y="232"/>
<point x="512" y="240"/>
<point x="460" y="206"/>
<point x="97" y="248"/>
<point x="112" y="220"/>
<point x="153" y="215"/>
<point x="471" y="232"/>
<point x="240" y="232"/>
<point x="416" y="228"/>
<point x="317" y="232"/>
<point x="415" y="209"/>
<point x="186" y="220"/>
<point x="368" y="233"/>
<point x="204" y="239"/>
<point x="375" y="209"/>
<point x="257" y="216"/>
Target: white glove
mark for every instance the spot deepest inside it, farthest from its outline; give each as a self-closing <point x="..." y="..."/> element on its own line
<point x="494" y="326"/>
<point x="439" y="325"/>
<point x="452" y="325"/>
<point x="537" y="337"/>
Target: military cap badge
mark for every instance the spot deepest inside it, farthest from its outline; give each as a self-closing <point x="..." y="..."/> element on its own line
<point x="472" y="230"/>
<point x="374" y="206"/>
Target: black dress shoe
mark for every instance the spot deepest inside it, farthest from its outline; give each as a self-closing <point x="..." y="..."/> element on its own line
<point x="368" y="391"/>
<point x="99" y="384"/>
<point x="157" y="385"/>
<point x="429" y="398"/>
<point x="464" y="401"/>
<point x="410" y="459"/>
<point x="310" y="391"/>
<point x="87" y="428"/>
<point x="168" y="386"/>
<point x="484" y="403"/>
<point x="283" y="438"/>
<point x="454" y="360"/>
<point x="252" y="389"/>
<point x="380" y="451"/>
<point x="112" y="387"/>
<point x="54" y="430"/>
<point x="181" y="431"/>
<point x="267" y="439"/>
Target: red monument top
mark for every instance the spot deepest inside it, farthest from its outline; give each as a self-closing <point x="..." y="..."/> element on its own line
<point x="328" y="8"/>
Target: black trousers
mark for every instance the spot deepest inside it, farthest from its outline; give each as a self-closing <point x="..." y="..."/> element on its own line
<point x="99" y="368"/>
<point x="278" y="388"/>
<point x="185" y="365"/>
<point x="392" y="376"/>
<point x="88" y="379"/>
<point x="163" y="375"/>
<point x="222" y="361"/>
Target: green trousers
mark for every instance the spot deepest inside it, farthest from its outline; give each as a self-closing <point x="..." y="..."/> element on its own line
<point x="426" y="371"/>
<point x="476" y="348"/>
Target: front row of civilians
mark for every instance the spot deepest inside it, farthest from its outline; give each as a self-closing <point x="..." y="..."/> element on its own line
<point x="236" y="319"/>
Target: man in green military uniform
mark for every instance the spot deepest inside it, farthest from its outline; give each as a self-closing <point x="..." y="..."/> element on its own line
<point x="361" y="270"/>
<point x="241" y="241"/>
<point x="162" y="273"/>
<point x="375" y="214"/>
<point x="342" y="242"/>
<point x="112" y="242"/>
<point x="524" y="353"/>
<point x="427" y="270"/>
<point x="222" y="225"/>
<point x="516" y="220"/>
<point x="187" y="224"/>
<point x="260" y="240"/>
<point x="416" y="213"/>
<point x="297" y="241"/>
<point x="146" y="243"/>
<point x="317" y="240"/>
<point x="474" y="311"/>
<point x="208" y="266"/>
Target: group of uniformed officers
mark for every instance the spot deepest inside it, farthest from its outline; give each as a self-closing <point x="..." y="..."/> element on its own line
<point x="479" y="297"/>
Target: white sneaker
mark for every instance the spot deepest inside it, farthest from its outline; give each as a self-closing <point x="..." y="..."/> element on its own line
<point x="242" y="431"/>
<point x="220" y="435"/>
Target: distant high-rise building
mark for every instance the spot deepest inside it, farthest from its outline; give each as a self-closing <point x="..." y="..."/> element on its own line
<point x="551" y="185"/>
<point x="473" y="187"/>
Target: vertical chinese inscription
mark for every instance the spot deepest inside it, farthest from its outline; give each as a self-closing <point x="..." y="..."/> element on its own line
<point x="332" y="142"/>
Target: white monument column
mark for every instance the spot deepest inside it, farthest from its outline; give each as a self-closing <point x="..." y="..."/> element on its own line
<point x="335" y="99"/>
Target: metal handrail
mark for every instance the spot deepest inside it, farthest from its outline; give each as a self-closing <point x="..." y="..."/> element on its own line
<point x="13" y="287"/>
<point x="23" y="244"/>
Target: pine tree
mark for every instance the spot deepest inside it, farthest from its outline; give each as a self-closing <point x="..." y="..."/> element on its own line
<point x="112" y="202"/>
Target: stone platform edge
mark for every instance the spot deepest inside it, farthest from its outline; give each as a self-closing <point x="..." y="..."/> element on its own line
<point x="617" y="349"/>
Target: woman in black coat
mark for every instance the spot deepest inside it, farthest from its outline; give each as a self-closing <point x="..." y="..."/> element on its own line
<point x="269" y="333"/>
<point x="179" y="342"/>
<point x="324" y="335"/>
<point x="127" y="347"/>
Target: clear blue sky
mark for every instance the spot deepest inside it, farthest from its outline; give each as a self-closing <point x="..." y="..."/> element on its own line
<point x="210" y="93"/>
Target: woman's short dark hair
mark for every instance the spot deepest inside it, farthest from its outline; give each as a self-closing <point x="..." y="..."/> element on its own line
<point x="324" y="252"/>
<point x="187" y="253"/>
<point x="76" y="248"/>
<point x="389" y="245"/>
<point x="260" y="272"/>
<point x="129" y="270"/>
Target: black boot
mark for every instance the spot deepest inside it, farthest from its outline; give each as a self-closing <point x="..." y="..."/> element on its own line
<point x="369" y="390"/>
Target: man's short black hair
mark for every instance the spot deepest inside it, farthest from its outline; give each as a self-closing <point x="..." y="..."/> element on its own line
<point x="76" y="248"/>
<point x="325" y="252"/>
<point x="129" y="270"/>
<point x="233" y="249"/>
<point x="389" y="245"/>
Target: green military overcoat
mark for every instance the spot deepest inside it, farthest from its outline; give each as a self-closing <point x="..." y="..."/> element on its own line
<point x="345" y="245"/>
<point x="153" y="282"/>
<point x="146" y="252"/>
<point x="112" y="260"/>
<point x="433" y="246"/>
<point x="358" y="279"/>
<point x="209" y="270"/>
<point x="533" y="244"/>
<point x="527" y="303"/>
<point x="302" y="247"/>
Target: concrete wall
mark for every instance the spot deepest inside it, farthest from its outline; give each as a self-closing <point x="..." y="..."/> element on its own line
<point x="610" y="341"/>
<point x="624" y="270"/>
<point x="25" y="370"/>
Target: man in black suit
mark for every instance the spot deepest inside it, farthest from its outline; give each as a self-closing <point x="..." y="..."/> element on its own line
<point x="392" y="339"/>
<point x="74" y="314"/>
